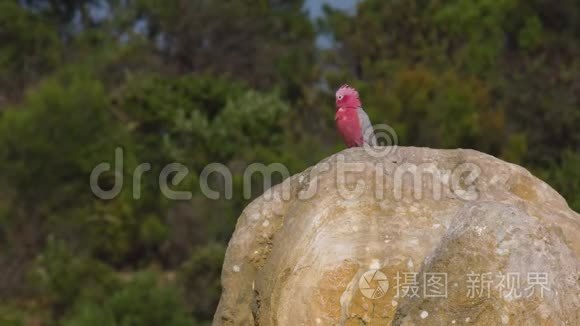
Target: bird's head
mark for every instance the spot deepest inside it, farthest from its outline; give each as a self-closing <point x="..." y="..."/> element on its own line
<point x="347" y="97"/>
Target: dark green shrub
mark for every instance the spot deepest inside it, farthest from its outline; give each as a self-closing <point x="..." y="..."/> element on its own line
<point x="67" y="277"/>
<point x="142" y="301"/>
<point x="200" y="278"/>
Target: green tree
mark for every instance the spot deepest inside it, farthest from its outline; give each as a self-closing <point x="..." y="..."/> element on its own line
<point x="264" y="43"/>
<point x="467" y="73"/>
<point x="30" y="48"/>
<point x="143" y="301"/>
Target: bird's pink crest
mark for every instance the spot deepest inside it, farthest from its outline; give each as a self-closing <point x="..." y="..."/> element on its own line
<point x="347" y="96"/>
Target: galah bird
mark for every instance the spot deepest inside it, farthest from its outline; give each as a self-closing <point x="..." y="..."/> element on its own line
<point x="352" y="121"/>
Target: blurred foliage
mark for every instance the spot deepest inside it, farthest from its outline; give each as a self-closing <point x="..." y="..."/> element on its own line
<point x="27" y="34"/>
<point x="250" y="120"/>
<point x="238" y="82"/>
<point x="502" y="77"/>
<point x="197" y="276"/>
<point x="141" y="301"/>
<point x="59" y="271"/>
<point x="67" y="130"/>
<point x="566" y="176"/>
<point x="11" y="317"/>
<point x="264" y="43"/>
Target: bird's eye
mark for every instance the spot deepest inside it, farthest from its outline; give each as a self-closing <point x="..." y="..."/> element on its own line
<point x="339" y="97"/>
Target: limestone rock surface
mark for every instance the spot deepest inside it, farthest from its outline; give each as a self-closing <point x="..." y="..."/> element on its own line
<point x="413" y="236"/>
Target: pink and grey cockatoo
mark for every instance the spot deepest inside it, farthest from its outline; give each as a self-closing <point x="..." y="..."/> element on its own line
<point x="352" y="121"/>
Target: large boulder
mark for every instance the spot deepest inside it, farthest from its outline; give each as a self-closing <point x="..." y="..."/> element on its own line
<point x="408" y="236"/>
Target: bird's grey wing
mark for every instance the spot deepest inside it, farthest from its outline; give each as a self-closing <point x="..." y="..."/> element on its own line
<point x="366" y="128"/>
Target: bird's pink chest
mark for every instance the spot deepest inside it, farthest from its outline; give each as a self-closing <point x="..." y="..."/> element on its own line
<point x="348" y="125"/>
